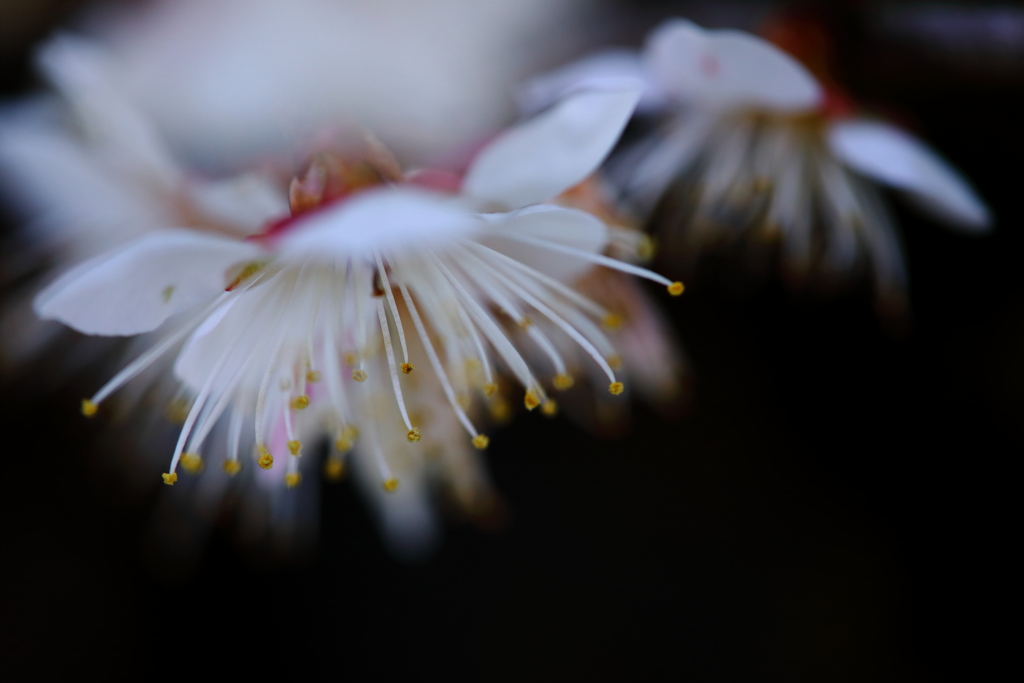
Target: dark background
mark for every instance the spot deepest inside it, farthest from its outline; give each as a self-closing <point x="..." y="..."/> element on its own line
<point x="837" y="504"/>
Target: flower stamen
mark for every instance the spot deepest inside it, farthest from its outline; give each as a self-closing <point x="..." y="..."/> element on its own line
<point x="389" y="350"/>
<point x="435" y="362"/>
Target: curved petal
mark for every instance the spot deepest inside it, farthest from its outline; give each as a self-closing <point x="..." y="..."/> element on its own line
<point x="246" y="201"/>
<point x="541" y="158"/>
<point x="894" y="157"/>
<point x="615" y="69"/>
<point x="224" y="330"/>
<point x="402" y="218"/>
<point x="86" y="77"/>
<point x="565" y="227"/>
<point x="138" y="287"/>
<point x="727" y="69"/>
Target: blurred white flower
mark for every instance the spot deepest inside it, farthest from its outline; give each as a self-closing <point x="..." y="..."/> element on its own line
<point x="232" y="80"/>
<point x="88" y="171"/>
<point x="751" y="143"/>
<point x="317" y="323"/>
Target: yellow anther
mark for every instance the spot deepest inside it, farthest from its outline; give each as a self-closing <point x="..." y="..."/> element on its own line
<point x="350" y="358"/>
<point x="266" y="460"/>
<point x="549" y="408"/>
<point x="464" y="400"/>
<point x="300" y="402"/>
<point x="334" y="469"/>
<point x="646" y="248"/>
<point x="408" y="367"/>
<point x="531" y="400"/>
<point x="343" y="444"/>
<point x="391" y="485"/>
<point x="294" y="446"/>
<point x="500" y="409"/>
<point x="350" y="432"/>
<point x="170" y="478"/>
<point x="232" y="467"/>
<point x="413" y="435"/>
<point x="616" y="388"/>
<point x="292" y="479"/>
<point x="676" y="288"/>
<point x="489" y="389"/>
<point x="481" y="441"/>
<point x="472" y="364"/>
<point x="313" y="376"/>
<point x="615" y="362"/>
<point x="192" y="462"/>
<point x="177" y="410"/>
<point x="563" y="381"/>
<point x="89" y="408"/>
<point x="612" y="321"/>
<point x="524" y="323"/>
<point x="359" y="375"/>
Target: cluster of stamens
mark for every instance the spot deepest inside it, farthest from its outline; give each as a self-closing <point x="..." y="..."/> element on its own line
<point x="453" y="315"/>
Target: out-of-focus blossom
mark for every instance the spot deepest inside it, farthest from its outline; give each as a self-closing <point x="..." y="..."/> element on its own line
<point x="232" y="80"/>
<point x="753" y="145"/>
<point x="88" y="171"/>
<point x="316" y="324"/>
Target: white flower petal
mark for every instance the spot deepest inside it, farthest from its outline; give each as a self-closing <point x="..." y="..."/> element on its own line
<point x="541" y="158"/>
<point x="137" y="288"/>
<point x="727" y="69"/>
<point x="388" y="218"/>
<point x="615" y="69"/>
<point x="566" y="227"/>
<point x="893" y="156"/>
<point x="224" y="329"/>
<point x="79" y="206"/>
<point x="246" y="201"/>
<point x="86" y="76"/>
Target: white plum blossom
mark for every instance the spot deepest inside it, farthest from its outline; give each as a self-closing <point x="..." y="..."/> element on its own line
<point x="378" y="312"/>
<point x="751" y="143"/>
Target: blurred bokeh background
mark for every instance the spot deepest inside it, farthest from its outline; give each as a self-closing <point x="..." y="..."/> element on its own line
<point x="835" y="504"/>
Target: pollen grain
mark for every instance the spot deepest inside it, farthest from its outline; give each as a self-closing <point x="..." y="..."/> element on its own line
<point x="563" y="381"/>
<point x="334" y="469"/>
<point x="531" y="400"/>
<point x="612" y="321"/>
<point x="192" y="462"/>
<point x="266" y="460"/>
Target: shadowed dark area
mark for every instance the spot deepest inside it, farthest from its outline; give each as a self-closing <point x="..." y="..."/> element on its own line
<point x="835" y="507"/>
